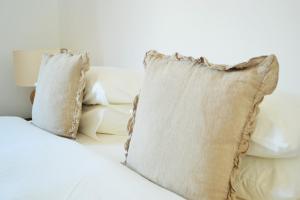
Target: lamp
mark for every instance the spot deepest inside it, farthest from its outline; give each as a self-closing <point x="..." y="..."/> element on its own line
<point x="27" y="65"/>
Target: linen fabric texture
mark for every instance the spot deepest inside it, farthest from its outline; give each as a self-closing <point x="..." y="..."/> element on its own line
<point x="59" y="92"/>
<point x="193" y="121"/>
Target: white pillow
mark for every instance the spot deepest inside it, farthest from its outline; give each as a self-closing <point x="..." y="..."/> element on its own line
<point x="112" y="85"/>
<point x="269" y="179"/>
<point x="115" y="119"/>
<point x="111" y="119"/>
<point x="277" y="132"/>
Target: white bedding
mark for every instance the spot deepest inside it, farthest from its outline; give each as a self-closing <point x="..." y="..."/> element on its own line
<point x="38" y="165"/>
<point x="111" y="119"/>
<point x="110" y="147"/>
<point x="269" y="179"/>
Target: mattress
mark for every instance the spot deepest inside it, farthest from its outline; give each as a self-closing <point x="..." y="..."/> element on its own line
<point x="38" y="165"/>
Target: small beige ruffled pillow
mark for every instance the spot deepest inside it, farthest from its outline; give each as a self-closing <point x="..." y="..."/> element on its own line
<point x="193" y="120"/>
<point x="59" y="91"/>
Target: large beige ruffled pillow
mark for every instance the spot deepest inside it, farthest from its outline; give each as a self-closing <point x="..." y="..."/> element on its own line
<point x="193" y="121"/>
<point x="59" y="91"/>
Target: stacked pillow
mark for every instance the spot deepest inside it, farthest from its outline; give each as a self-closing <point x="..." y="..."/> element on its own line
<point x="270" y="169"/>
<point x="107" y="100"/>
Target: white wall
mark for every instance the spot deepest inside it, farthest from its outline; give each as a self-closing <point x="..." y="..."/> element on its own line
<point x="79" y="26"/>
<point x="119" y="32"/>
<point x="30" y="24"/>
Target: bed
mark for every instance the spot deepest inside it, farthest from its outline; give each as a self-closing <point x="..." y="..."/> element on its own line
<point x="38" y="165"/>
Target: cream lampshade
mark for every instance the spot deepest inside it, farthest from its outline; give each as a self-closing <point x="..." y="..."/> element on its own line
<point x="27" y="65"/>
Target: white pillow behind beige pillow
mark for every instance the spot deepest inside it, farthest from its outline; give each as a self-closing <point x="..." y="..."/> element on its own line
<point x="111" y="119"/>
<point x="59" y="92"/>
<point x="112" y="85"/>
<point x="277" y="133"/>
<point x="269" y="179"/>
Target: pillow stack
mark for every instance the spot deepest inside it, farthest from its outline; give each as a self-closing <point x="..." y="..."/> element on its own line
<point x="108" y="95"/>
<point x="270" y="169"/>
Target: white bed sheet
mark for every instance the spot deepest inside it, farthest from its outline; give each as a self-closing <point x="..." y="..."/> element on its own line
<point x="35" y="164"/>
<point x="108" y="146"/>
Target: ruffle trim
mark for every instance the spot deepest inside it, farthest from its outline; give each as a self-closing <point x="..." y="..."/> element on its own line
<point x="130" y="125"/>
<point x="154" y="55"/>
<point x="251" y="120"/>
<point x="243" y="147"/>
<point x="72" y="132"/>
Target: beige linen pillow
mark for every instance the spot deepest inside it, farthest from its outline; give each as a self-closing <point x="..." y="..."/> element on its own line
<point x="194" y="120"/>
<point x="59" y="91"/>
